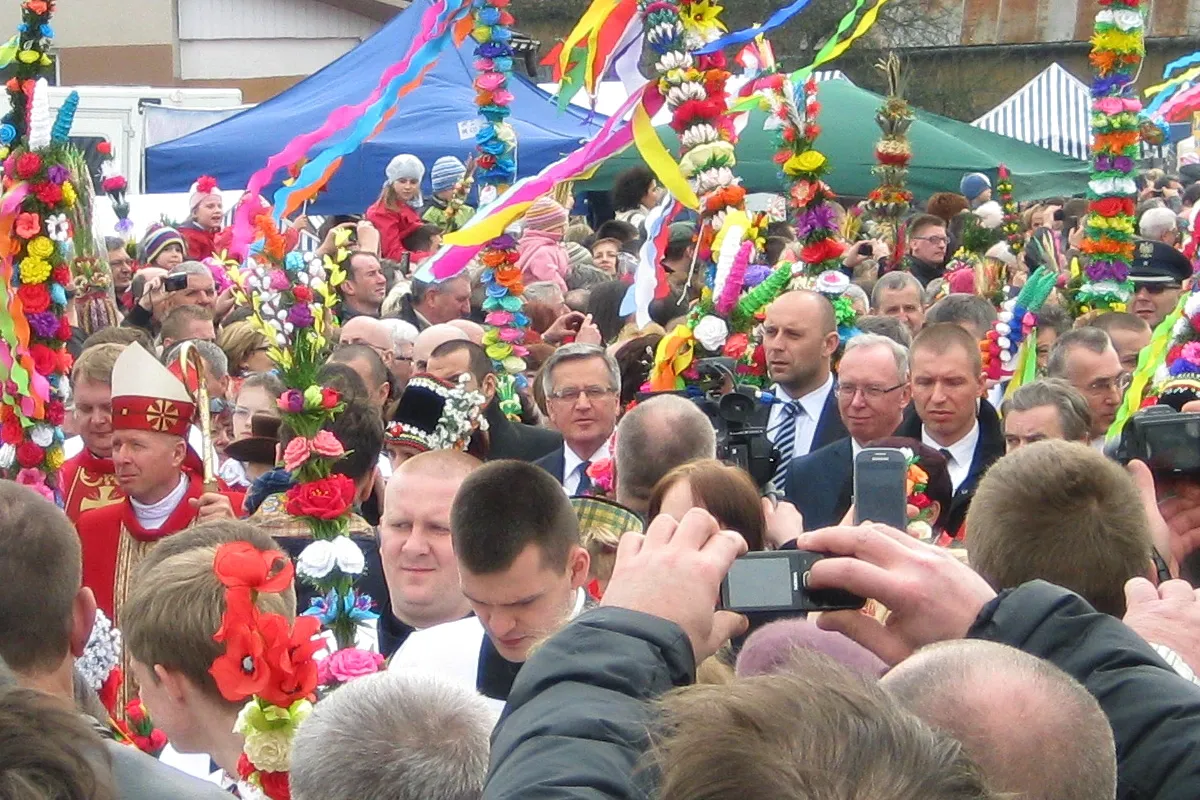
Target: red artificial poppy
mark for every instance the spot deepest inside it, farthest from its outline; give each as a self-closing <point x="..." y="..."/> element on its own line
<point x="104" y="148"/>
<point x="289" y="655"/>
<point x="241" y="565"/>
<point x="241" y="671"/>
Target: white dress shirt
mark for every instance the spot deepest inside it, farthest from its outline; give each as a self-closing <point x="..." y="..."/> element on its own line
<point x="962" y="453"/>
<point x="572" y="474"/>
<point x="813" y="404"/>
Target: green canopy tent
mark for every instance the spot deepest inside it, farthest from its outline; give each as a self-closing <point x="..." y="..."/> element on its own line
<point x="943" y="150"/>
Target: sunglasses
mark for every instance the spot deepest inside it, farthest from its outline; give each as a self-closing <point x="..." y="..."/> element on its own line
<point x="1155" y="288"/>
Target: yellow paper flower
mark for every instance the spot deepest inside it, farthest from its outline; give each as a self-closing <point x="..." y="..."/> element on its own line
<point x="41" y="247"/>
<point x="55" y="458"/>
<point x="69" y="196"/>
<point x="702" y="18"/>
<point x="34" y="270"/>
<point x="808" y="161"/>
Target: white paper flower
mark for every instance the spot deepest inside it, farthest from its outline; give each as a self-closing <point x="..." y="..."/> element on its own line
<point x="1192" y="306"/>
<point x="57" y="227"/>
<point x="1003" y="329"/>
<point x="42" y="435"/>
<point x="323" y="556"/>
<point x="711" y="332"/>
<point x="1004" y="342"/>
<point x="270" y="751"/>
<point x="8" y="454"/>
<point x="698" y="135"/>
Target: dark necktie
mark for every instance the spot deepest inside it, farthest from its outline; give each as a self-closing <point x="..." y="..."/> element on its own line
<point x="585" y="480"/>
<point x="785" y="440"/>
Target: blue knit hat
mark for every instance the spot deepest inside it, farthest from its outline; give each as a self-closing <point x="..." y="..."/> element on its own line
<point x="974" y="184"/>
<point x="446" y="172"/>
<point x="158" y="239"/>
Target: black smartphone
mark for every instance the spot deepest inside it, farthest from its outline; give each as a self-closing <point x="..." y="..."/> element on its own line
<point x="405" y="262"/>
<point x="880" y="487"/>
<point x="175" y="283"/>
<point x="778" y="581"/>
<point x="864" y="248"/>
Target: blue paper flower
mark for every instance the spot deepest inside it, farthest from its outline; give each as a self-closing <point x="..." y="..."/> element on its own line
<point x="58" y="295"/>
<point x="294" y="262"/>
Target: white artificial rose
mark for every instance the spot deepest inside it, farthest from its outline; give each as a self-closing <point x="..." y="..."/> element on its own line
<point x="42" y="435"/>
<point x="269" y="751"/>
<point x="8" y="454"/>
<point x="317" y="560"/>
<point x="711" y="332"/>
<point x="348" y="556"/>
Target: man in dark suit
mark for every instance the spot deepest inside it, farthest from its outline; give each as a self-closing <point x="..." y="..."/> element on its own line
<point x="799" y="338"/>
<point x="950" y="414"/>
<point x="872" y="394"/>
<point x="506" y="439"/>
<point x="583" y="395"/>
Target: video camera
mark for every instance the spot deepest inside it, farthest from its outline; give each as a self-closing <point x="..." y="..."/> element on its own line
<point x="1166" y="440"/>
<point x="739" y="418"/>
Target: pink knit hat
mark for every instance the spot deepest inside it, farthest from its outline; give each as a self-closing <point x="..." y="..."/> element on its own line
<point x="204" y="187"/>
<point x="545" y="215"/>
<point x="771" y="648"/>
<point x="961" y="281"/>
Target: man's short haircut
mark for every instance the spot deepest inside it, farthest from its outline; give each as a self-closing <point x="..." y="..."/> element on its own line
<point x="922" y="221"/>
<point x="544" y="292"/>
<point x="816" y="731"/>
<point x="898" y="351"/>
<point x="422" y="288"/>
<point x="214" y="357"/>
<point x="1117" y="321"/>
<point x="963" y="309"/>
<point x="1074" y="414"/>
<point x="940" y="338"/>
<point x="41" y="570"/>
<point x="95" y="364"/>
<point x="657" y="436"/>
<point x="1191" y="195"/>
<point x="421" y="240"/>
<point x="441" y="464"/>
<point x="394" y="736"/>
<point x="113" y="243"/>
<point x="119" y="335"/>
<point x="585" y="276"/>
<point x="349" y="353"/>
<point x="1089" y="338"/>
<point x="505" y="506"/>
<point x="355" y="254"/>
<point x="1030" y="727"/>
<point x="1060" y="512"/>
<point x="175" y="324"/>
<point x="617" y="229"/>
<point x="1057" y="319"/>
<point x="1157" y="221"/>
<point x="49" y="751"/>
<point x="191" y="268"/>
<point x="894" y="282"/>
<point x="579" y="352"/>
<point x="890" y="327"/>
<point x="477" y="361"/>
<point x="344" y="379"/>
<point x="174" y="611"/>
<point x="359" y="429"/>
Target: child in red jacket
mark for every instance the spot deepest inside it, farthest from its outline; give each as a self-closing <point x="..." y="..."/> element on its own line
<point x="396" y="214"/>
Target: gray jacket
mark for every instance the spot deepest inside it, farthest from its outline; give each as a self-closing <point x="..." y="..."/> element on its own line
<point x="138" y="776"/>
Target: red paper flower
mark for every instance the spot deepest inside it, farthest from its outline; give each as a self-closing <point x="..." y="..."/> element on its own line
<point x="921" y="501"/>
<point x="820" y="251"/>
<point x="330" y="398"/>
<point x="12" y="432"/>
<point x="245" y="768"/>
<point x="290" y="653"/>
<point x="49" y="193"/>
<point x="45" y="360"/>
<point x="104" y="148"/>
<point x="28" y="225"/>
<point x="34" y="297"/>
<point x="275" y="785"/>
<point x="29" y="455"/>
<point x="61" y="275"/>
<point x="303" y="294"/>
<point x="28" y="165"/>
<point x="241" y="565"/>
<point x="55" y="412"/>
<point x="64" y="330"/>
<point x="327" y="498"/>
<point x="1112" y="206"/>
<point x="206" y="184"/>
<point x="241" y="671"/>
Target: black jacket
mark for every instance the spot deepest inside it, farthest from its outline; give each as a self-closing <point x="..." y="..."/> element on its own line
<point x="988" y="451"/>
<point x="830" y="427"/>
<point x="821" y="484"/>
<point x="1154" y="713"/>
<point x="508" y="439"/>
<point x="410" y="315"/>
<point x="576" y="721"/>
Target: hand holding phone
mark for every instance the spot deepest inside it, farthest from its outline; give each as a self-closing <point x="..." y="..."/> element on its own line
<point x="778" y="581"/>
<point x="175" y="283"/>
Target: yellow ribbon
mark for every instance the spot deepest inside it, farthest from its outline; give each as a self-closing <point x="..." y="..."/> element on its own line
<point x="656" y="156"/>
<point x="1178" y="79"/>
<point x="588" y="28"/>
<point x="863" y="26"/>
<point x="488" y="228"/>
<point x="672" y="358"/>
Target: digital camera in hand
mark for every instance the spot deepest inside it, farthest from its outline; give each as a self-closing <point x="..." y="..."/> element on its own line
<point x="1166" y="440"/>
<point x="778" y="581"/>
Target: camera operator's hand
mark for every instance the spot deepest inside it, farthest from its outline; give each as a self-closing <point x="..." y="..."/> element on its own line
<point x="566" y="325"/>
<point x="589" y="333"/>
<point x="674" y="572"/>
<point x="784" y="522"/>
<point x="932" y="596"/>
<point x="1168" y="615"/>
<point x="1160" y="532"/>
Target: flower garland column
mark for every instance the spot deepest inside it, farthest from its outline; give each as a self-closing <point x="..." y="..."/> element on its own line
<point x="32" y="61"/>
<point x="1116" y="57"/>
<point x="496" y="169"/>
<point x="890" y="201"/>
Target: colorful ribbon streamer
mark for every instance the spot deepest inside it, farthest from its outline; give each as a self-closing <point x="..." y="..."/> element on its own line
<point x="656" y="155"/>
<point x="834" y="48"/>
<point x="777" y="19"/>
<point x="649" y="277"/>
<point x="1152" y="357"/>
<point x="435" y="22"/>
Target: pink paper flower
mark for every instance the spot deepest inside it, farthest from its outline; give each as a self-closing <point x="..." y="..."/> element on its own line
<point x="1109" y="105"/>
<point x="502" y="97"/>
<point x="296" y="453"/>
<point x="279" y="280"/>
<point x="327" y="445"/>
<point x="498" y="319"/>
<point x="346" y="665"/>
<point x="1191" y="352"/>
<point x="490" y="81"/>
<point x="36" y="480"/>
<point x="511" y="335"/>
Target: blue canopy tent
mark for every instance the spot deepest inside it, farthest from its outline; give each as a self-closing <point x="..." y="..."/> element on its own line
<point x="438" y="118"/>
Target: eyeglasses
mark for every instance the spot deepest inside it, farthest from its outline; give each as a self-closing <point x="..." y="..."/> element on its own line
<point x="846" y="391"/>
<point x="933" y="239"/>
<point x="592" y="393"/>
<point x="1155" y="288"/>
<point x="1106" y="385"/>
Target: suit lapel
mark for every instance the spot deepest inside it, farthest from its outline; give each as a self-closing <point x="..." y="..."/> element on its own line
<point x="829" y="427"/>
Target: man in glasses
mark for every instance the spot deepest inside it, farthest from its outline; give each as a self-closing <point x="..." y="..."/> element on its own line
<point x="927" y="243"/>
<point x="872" y="393"/>
<point x="1160" y="273"/>
<point x="1086" y="359"/>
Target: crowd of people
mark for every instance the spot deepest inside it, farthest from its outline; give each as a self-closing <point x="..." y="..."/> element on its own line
<point x="545" y="551"/>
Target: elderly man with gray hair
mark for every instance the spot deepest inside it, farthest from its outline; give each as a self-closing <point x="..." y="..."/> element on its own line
<point x="582" y="384"/>
<point x="654" y="438"/>
<point x="394" y="736"/>
<point x="1045" y="409"/>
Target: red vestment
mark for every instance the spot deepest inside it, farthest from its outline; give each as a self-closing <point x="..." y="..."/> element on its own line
<point x="88" y="482"/>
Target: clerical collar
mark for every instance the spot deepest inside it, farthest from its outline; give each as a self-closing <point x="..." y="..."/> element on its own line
<point x="152" y="516"/>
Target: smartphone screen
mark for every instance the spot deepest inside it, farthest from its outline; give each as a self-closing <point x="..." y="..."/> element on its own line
<point x="880" y="487"/>
<point x="760" y="583"/>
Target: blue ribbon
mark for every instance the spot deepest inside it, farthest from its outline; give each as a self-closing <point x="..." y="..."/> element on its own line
<point x="741" y="37"/>
<point x="1181" y="63"/>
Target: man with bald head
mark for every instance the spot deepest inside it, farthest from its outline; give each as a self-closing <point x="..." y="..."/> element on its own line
<point x="370" y="332"/>
<point x="430" y="339"/>
<point x="1033" y="730"/>
<point x="366" y="361"/>
<point x="473" y="330"/>
<point x="799" y="338"/>
<point x="416" y="548"/>
<point x="655" y="437"/>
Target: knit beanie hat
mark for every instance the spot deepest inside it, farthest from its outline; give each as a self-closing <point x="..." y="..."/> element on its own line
<point x="204" y="187"/>
<point x="974" y="184"/>
<point x="771" y="648"/>
<point x="158" y="239"/>
<point x="405" y="165"/>
<point x="578" y="255"/>
<point x="546" y="215"/>
<point x="446" y="172"/>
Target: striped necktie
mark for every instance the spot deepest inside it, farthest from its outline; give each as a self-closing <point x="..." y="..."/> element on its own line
<point x="785" y="440"/>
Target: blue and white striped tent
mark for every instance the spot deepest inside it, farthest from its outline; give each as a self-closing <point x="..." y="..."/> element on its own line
<point x="1051" y="111"/>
